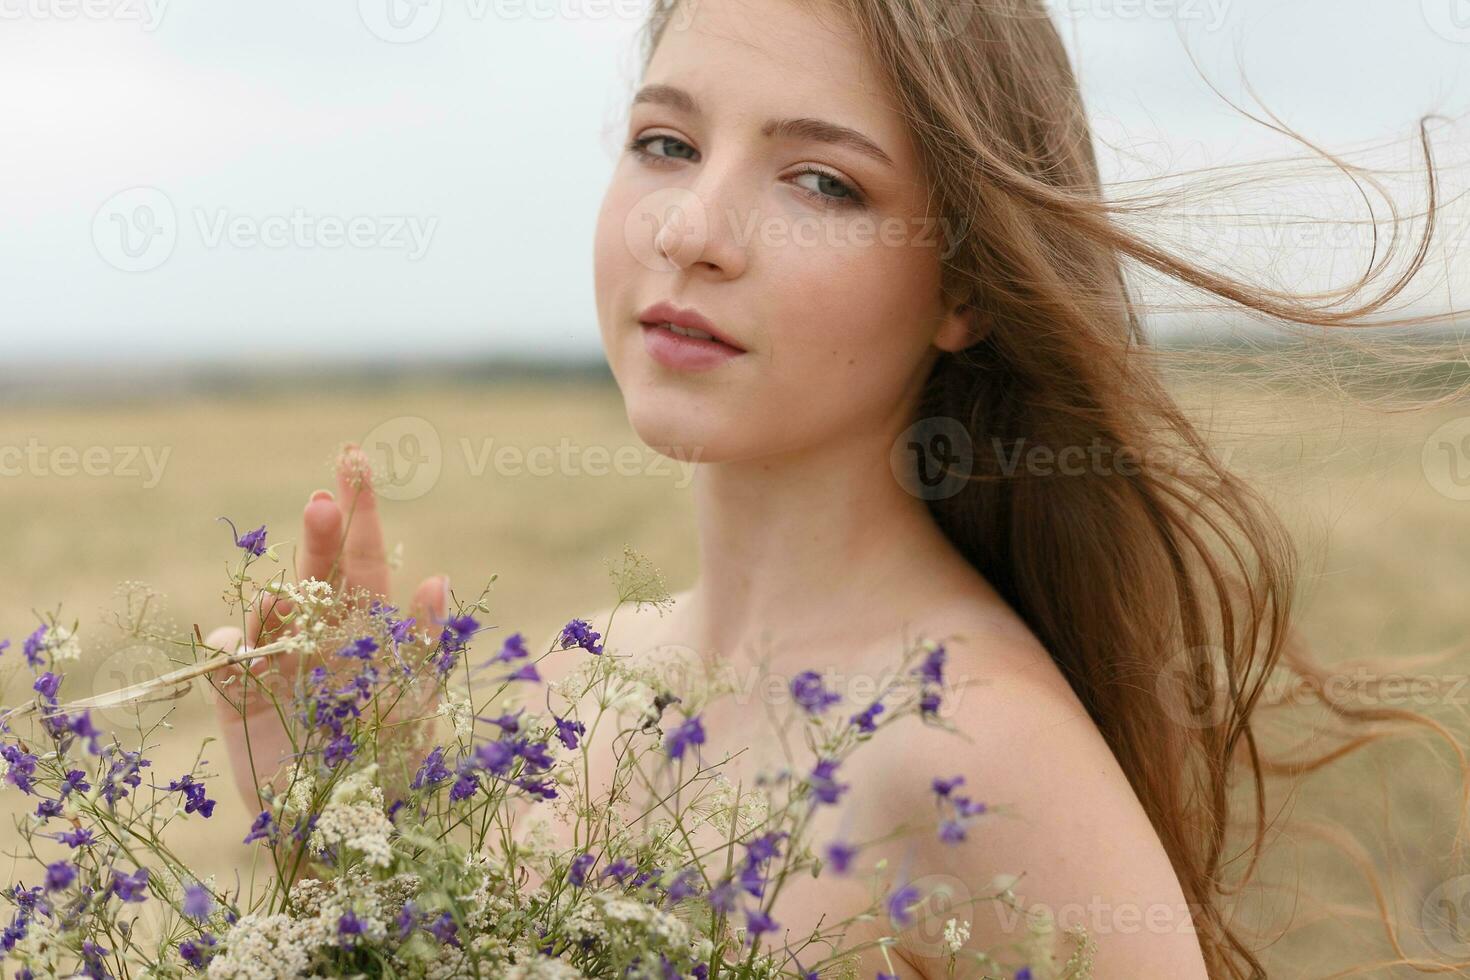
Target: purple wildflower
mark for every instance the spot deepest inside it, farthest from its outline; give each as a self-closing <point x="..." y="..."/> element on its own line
<point x="840" y="855"/>
<point x="495" y="757"/>
<point x="931" y="671"/>
<point x="34" y="645"/>
<point x="824" y="784"/>
<point x="509" y="723"/>
<point x="193" y="791"/>
<point x="60" y="875"/>
<point x="464" y="787"/>
<point x="568" y="731"/>
<point x="81" y="726"/>
<point x="338" y="751"/>
<point x="866" y="720"/>
<point x="408" y="919"/>
<point x="690" y="732"/>
<point x="619" y="870"/>
<point x="47" y="685"/>
<point x="263" y="828"/>
<point x="901" y="905"/>
<point x="526" y="673"/>
<point x="432" y="771"/>
<point x="579" y="633"/>
<point x="723" y="897"/>
<point x="362" y="648"/>
<point x="577" y="873"/>
<point x="81" y="837"/>
<point x="349" y="927"/>
<point x="92" y="955"/>
<point x="757" y="923"/>
<point x="968" y="809"/>
<point x="22" y="767"/>
<point x="252" y="542"/>
<point x="130" y="888"/>
<point x="198" y="952"/>
<point x="444" y="929"/>
<point x="198" y="904"/>
<point x="952" y="832"/>
<point x="813" y="698"/>
<point x="683" y="886"/>
<point x="47" y="809"/>
<point x="514" y="648"/>
<point x="542" y="788"/>
<point x="944" y="787"/>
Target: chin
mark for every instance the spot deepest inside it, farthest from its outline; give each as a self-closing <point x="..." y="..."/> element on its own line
<point x="678" y="433"/>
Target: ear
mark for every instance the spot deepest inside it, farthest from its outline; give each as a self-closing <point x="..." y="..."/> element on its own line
<point x="963" y="326"/>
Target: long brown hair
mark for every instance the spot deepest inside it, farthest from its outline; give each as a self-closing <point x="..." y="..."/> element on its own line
<point x="1125" y="573"/>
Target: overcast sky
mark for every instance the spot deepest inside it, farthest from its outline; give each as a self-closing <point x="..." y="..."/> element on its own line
<point x="473" y="138"/>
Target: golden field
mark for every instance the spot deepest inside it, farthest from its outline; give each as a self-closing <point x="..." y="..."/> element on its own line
<point x="1385" y="537"/>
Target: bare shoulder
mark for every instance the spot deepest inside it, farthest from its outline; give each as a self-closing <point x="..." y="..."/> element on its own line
<point x="1060" y="811"/>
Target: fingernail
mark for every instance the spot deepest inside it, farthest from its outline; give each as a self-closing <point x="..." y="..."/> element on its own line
<point x="321" y="495"/>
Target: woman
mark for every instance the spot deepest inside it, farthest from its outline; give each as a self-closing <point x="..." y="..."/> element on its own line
<point x="853" y="375"/>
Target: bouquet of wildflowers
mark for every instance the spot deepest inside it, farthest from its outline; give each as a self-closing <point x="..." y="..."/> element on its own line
<point x="407" y="836"/>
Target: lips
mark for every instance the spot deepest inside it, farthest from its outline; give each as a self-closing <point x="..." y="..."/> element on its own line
<point x="688" y="319"/>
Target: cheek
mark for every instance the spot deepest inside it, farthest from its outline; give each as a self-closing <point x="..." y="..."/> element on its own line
<point x="852" y="320"/>
<point x="610" y="264"/>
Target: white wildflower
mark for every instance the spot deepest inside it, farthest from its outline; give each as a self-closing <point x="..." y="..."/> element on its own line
<point x="63" y="645"/>
<point x="956" y="934"/>
<point x="355" y="823"/>
<point x="457" y="709"/>
<point x="261" y="948"/>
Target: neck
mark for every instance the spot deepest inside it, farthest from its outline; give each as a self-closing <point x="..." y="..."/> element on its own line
<point x="809" y="549"/>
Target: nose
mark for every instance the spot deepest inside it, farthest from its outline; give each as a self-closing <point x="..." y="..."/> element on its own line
<point x="696" y="228"/>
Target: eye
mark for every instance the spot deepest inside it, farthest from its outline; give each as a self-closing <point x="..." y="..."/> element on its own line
<point x="831" y="191"/>
<point x="640" y="147"/>
<point x="845" y="195"/>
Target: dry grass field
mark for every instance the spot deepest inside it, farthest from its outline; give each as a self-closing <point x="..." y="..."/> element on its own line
<point x="1386" y="576"/>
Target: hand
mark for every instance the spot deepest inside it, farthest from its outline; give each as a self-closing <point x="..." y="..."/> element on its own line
<point x="348" y="559"/>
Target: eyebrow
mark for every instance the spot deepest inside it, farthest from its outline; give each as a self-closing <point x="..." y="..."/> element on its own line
<point x="815" y="130"/>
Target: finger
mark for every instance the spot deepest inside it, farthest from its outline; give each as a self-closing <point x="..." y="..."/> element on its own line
<point x="266" y="618"/>
<point x="321" y="536"/>
<point x="364" y="556"/>
<point x="430" y="602"/>
<point x="226" y="638"/>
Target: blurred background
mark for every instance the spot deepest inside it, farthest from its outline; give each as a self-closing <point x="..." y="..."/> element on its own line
<point x="235" y="237"/>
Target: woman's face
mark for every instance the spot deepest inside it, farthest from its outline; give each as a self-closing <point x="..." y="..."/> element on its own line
<point x="815" y="256"/>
